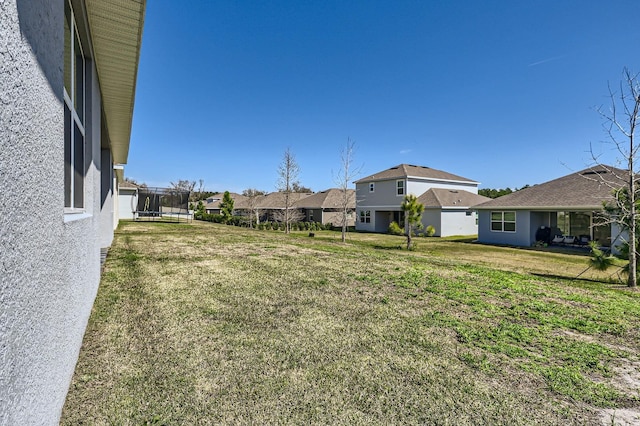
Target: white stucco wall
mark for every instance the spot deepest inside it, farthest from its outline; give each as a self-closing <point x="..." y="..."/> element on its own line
<point x="126" y="199"/>
<point x="49" y="261"/>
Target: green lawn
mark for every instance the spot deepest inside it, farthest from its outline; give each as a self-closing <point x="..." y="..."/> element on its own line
<point x="208" y="324"/>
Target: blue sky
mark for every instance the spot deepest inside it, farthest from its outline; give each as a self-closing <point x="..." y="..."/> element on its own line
<point x="502" y="92"/>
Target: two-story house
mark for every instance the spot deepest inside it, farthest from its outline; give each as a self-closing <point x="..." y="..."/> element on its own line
<point x="447" y="199"/>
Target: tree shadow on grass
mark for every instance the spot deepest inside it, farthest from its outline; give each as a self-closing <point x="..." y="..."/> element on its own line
<point x="615" y="281"/>
<point x="379" y="247"/>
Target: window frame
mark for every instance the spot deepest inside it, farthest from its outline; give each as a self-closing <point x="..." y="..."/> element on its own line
<point x="372" y="186"/>
<point x="400" y="189"/>
<point x="75" y="111"/>
<point x="503" y="222"/>
<point x="365" y="216"/>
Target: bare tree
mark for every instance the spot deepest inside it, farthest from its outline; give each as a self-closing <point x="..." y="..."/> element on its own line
<point x="620" y="121"/>
<point x="296" y="187"/>
<point x="253" y="204"/>
<point x="184" y="185"/>
<point x="293" y="215"/>
<point x="346" y="174"/>
<point x="197" y="195"/>
<point x="288" y="172"/>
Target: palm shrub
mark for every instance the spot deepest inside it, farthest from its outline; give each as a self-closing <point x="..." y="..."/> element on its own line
<point x="395" y="229"/>
<point x="598" y="259"/>
<point x="413" y="210"/>
<point x="430" y="231"/>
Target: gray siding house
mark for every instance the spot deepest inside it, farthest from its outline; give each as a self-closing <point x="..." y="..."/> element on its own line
<point x="567" y="206"/>
<point x="67" y="90"/>
<point x="449" y="212"/>
<point x="447" y="199"/>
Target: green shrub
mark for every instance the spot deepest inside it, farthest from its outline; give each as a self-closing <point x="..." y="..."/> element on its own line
<point x="430" y="231"/>
<point x="394" y="229"/>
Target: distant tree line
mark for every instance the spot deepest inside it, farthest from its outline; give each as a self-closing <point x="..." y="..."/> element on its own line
<point x="495" y="193"/>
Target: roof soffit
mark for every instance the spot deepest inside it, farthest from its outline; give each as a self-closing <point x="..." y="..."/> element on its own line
<point x="116" y="34"/>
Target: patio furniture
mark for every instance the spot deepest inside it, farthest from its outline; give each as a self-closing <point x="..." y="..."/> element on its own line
<point x="569" y="239"/>
<point x="584" y="240"/>
<point x="558" y="239"/>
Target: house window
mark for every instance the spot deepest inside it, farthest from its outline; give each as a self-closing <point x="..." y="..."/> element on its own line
<point x="372" y="187"/>
<point x="365" y="216"/>
<point x="503" y="221"/>
<point x="400" y="187"/>
<point x="310" y="215"/>
<point x="74" y="114"/>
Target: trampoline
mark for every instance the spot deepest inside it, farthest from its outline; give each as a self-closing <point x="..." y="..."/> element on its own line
<point x="161" y="204"/>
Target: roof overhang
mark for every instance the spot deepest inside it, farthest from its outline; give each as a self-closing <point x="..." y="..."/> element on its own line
<point x="119" y="172"/>
<point x="541" y="208"/>
<point x="116" y="34"/>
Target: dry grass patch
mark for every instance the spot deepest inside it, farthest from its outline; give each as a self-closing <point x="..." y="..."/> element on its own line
<point x="208" y="324"/>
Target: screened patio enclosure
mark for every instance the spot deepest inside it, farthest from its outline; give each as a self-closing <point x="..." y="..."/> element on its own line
<point x="575" y="223"/>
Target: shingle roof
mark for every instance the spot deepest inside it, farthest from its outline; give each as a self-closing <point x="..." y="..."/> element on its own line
<point x="127" y="185"/>
<point x="274" y="200"/>
<point x="329" y="199"/>
<point x="441" y="197"/>
<point x="408" y="170"/>
<point x="237" y="199"/>
<point x="586" y="189"/>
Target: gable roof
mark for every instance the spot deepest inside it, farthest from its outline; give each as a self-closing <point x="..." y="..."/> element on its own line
<point x="443" y="198"/>
<point x="329" y="199"/>
<point x="586" y="189"/>
<point x="409" y="170"/>
<point x="215" y="204"/>
<point x="274" y="200"/>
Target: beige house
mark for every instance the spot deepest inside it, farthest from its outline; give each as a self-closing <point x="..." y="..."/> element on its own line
<point x="326" y="207"/>
<point x="272" y="206"/>
<point x="212" y="204"/>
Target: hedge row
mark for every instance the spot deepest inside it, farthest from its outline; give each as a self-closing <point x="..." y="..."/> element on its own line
<point x="276" y="226"/>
